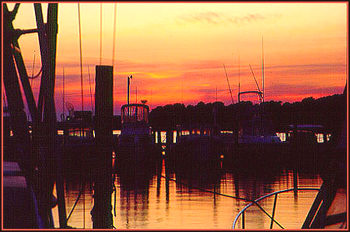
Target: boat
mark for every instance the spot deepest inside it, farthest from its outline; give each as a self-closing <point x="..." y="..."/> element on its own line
<point x="329" y="209"/>
<point x="254" y="139"/>
<point x="135" y="142"/>
<point x="196" y="150"/>
<point x="257" y="137"/>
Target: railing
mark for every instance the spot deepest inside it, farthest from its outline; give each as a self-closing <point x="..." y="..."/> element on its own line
<point x="242" y="212"/>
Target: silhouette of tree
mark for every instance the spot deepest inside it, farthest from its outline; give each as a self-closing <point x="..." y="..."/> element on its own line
<point x="327" y="111"/>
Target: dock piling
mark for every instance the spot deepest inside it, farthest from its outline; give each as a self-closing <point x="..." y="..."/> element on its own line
<point x="103" y="182"/>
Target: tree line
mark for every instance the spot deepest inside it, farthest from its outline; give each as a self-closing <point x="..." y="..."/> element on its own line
<point x="328" y="111"/>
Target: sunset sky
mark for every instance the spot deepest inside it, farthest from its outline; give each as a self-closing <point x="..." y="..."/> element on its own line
<point x="176" y="51"/>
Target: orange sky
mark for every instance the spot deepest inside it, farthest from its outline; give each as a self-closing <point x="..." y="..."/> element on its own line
<point x="176" y="51"/>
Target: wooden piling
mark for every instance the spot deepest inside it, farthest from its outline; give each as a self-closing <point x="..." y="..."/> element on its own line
<point x="103" y="182"/>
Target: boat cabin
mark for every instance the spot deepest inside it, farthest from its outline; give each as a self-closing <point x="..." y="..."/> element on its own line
<point x="134" y="119"/>
<point x="134" y="113"/>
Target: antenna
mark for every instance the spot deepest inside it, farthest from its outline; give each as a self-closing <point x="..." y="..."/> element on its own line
<point x="228" y="84"/>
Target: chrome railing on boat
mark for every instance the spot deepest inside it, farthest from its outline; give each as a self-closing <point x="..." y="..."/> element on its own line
<point x="242" y="212"/>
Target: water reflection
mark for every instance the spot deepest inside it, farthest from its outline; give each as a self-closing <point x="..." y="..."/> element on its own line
<point x="164" y="196"/>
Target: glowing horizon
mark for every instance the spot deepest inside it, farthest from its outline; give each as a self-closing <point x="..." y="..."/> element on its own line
<point x="176" y="51"/>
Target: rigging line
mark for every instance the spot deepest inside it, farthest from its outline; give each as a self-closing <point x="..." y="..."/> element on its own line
<point x="257" y="85"/>
<point x="75" y="203"/>
<point x="37" y="75"/>
<point x="81" y="62"/>
<point x="114" y="32"/>
<point x="225" y="195"/>
<point x="228" y="84"/>
<point x="209" y="191"/>
<point x="92" y="109"/>
<point x="100" y="33"/>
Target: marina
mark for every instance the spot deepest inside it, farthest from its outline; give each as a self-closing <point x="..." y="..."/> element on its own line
<point x="278" y="160"/>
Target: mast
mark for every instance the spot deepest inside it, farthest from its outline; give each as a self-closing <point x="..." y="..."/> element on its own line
<point x="228" y="84"/>
<point x="263" y="85"/>
<point x="257" y="85"/>
<point x="239" y="77"/>
<point x="262" y="67"/>
<point x="63" y="96"/>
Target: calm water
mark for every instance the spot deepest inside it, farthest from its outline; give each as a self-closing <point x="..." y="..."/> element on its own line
<point x="147" y="200"/>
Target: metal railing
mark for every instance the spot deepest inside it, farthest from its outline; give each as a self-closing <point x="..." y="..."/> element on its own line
<point x="273" y="220"/>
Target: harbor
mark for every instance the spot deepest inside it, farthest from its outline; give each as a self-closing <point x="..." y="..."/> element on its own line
<point x="150" y="150"/>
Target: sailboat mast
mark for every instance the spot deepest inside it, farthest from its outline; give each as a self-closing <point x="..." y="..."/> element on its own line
<point x="263" y="76"/>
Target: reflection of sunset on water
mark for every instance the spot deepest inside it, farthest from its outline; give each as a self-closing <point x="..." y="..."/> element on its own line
<point x="146" y="203"/>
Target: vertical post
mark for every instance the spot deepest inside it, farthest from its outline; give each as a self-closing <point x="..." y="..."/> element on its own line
<point x="52" y="31"/>
<point x="44" y="56"/>
<point x="103" y="182"/>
